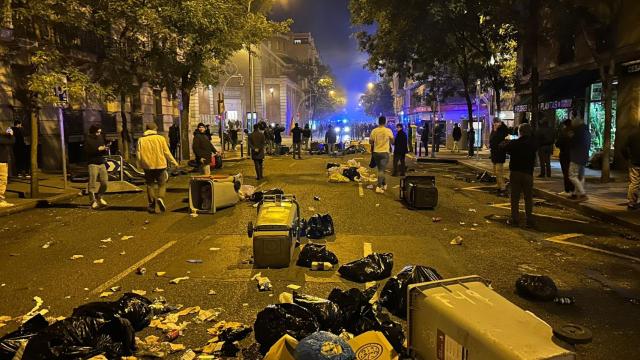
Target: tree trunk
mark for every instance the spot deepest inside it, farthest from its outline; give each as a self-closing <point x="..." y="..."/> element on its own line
<point x="607" y="78"/>
<point x="467" y="97"/>
<point x="124" y="150"/>
<point x="498" y="101"/>
<point x="35" y="188"/>
<point x="184" y="123"/>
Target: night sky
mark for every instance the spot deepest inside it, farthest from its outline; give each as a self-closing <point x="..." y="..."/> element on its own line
<point x="328" y="22"/>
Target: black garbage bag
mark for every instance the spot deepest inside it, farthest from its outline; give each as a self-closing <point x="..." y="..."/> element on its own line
<point x="82" y="337"/>
<point x="315" y="252"/>
<point x="234" y="334"/>
<point x="302" y="227"/>
<point x="326" y="312"/>
<point x="10" y="343"/>
<point x="486" y="177"/>
<point x="351" y="173"/>
<point x="319" y="226"/>
<point x="278" y="320"/>
<point x="323" y="346"/>
<point x="536" y="287"/>
<point x="376" y="266"/>
<point x="330" y="165"/>
<point x="351" y="304"/>
<point x="133" y="307"/>
<point x="394" y="293"/>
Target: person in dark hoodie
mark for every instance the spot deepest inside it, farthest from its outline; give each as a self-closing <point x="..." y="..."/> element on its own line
<point x="544" y="137"/>
<point x="523" y="158"/>
<point x="400" y="150"/>
<point x="564" y="144"/>
<point x="632" y="153"/>
<point x="296" y="134"/>
<point x="579" y="154"/>
<point x="96" y="148"/>
<point x="20" y="150"/>
<point x="6" y="143"/>
<point x="203" y="149"/>
<point x="498" y="156"/>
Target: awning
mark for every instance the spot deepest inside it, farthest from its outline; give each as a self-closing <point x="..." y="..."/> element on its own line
<point x="560" y="93"/>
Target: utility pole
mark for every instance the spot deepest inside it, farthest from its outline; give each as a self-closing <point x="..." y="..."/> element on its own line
<point x="35" y="188"/>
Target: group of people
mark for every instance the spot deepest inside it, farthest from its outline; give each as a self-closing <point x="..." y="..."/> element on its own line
<point x="12" y="147"/>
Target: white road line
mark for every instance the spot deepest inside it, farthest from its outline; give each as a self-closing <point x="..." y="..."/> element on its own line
<point x="360" y="190"/>
<point x="587" y="247"/>
<point x="507" y="206"/>
<point x="564" y="237"/>
<point x="109" y="283"/>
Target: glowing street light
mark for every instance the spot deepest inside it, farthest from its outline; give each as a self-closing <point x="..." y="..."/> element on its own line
<point x="370" y="86"/>
<point x="332" y="93"/>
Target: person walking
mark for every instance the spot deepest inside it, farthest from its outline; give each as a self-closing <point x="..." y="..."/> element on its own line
<point x="95" y="148"/>
<point x="424" y="138"/>
<point x="498" y="134"/>
<point x="203" y="149"/>
<point x="523" y="158"/>
<point x="471" y="141"/>
<point x="306" y="136"/>
<point x="330" y="139"/>
<point x="438" y="134"/>
<point x="296" y="134"/>
<point x="233" y="134"/>
<point x="579" y="156"/>
<point x="544" y="138"/>
<point x="20" y="150"/>
<point x="564" y="144"/>
<point x="153" y="155"/>
<point x="400" y="150"/>
<point x="380" y="140"/>
<point x="257" y="142"/>
<point x="457" y="135"/>
<point x="174" y="139"/>
<point x="7" y="141"/>
<point x="277" y="138"/>
<point x="631" y="152"/>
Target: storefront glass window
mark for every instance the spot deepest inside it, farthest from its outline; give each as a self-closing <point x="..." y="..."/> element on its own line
<point x="596" y="119"/>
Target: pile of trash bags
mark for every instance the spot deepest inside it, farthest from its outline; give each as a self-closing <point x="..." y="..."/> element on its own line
<point x="394" y="293"/>
<point x="319" y="226"/>
<point x="315" y="253"/>
<point x="376" y="266"/>
<point x="96" y="328"/>
<point x="536" y="287"/>
<point x="351" y="171"/>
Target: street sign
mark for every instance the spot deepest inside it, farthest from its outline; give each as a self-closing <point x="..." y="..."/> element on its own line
<point x="112" y="165"/>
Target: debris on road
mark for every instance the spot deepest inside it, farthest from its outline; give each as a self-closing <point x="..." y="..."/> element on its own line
<point x="98" y="261"/>
<point x="264" y="284"/>
<point x="276" y="320"/>
<point x="376" y="266"/>
<point x="115" y="288"/>
<point x="394" y="293"/>
<point x="212" y="292"/>
<point x="139" y="292"/>
<point x="316" y="198"/>
<point x="105" y="294"/>
<point x="160" y="273"/>
<point x="472" y="210"/>
<point x="214" y="249"/>
<point x="141" y="271"/>
<point x="321" y="266"/>
<point x="324" y="345"/>
<point x="456" y="241"/>
<point x="126" y="237"/>
<point x="293" y="287"/>
<point x="107" y="240"/>
<point x="325" y="311"/>
<point x="536" y="287"/>
<point x="123" y="253"/>
<point x="76" y="257"/>
<point x="178" y="280"/>
<point x="319" y="226"/>
<point x="195" y="261"/>
<point x="285" y="298"/>
<point x="436" y="219"/>
<point x="311" y="253"/>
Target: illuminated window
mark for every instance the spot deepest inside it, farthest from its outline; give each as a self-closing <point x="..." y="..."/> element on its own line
<point x="297" y="41"/>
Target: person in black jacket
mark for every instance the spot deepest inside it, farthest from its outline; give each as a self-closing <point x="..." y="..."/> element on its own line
<point x="544" y="138"/>
<point x="174" y="139"/>
<point x="632" y="153"/>
<point x="457" y="135"/>
<point x="564" y="144"/>
<point x="257" y="143"/>
<point x="424" y="138"/>
<point x="296" y="134"/>
<point x="20" y="150"/>
<point x="203" y="149"/>
<point x="306" y="136"/>
<point x="6" y="141"/>
<point x="523" y="158"/>
<point x="96" y="148"/>
<point x="400" y="149"/>
<point x="498" y="156"/>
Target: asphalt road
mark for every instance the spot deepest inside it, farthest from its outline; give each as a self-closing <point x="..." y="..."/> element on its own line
<point x="606" y="286"/>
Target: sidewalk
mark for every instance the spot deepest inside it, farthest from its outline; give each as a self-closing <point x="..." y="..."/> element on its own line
<point x="51" y="191"/>
<point x="606" y="201"/>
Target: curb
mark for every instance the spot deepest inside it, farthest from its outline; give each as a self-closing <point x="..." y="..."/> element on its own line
<point x="35" y="203"/>
<point x="587" y="210"/>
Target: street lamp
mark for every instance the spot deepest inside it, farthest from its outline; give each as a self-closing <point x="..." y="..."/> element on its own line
<point x="332" y="93"/>
<point x="370" y="86"/>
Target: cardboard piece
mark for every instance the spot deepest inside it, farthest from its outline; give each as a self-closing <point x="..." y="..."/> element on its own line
<point x="283" y="349"/>
<point x="372" y="345"/>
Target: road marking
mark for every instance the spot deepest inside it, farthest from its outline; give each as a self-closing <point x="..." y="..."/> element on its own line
<point x="507" y="206"/>
<point x="132" y="268"/>
<point x="360" y="190"/>
<point x="587" y="247"/>
<point x="293" y="164"/>
<point x="564" y="237"/>
<point x="367" y="250"/>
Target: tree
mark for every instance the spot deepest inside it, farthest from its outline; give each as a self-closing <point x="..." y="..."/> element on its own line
<point x="197" y="39"/>
<point x="321" y="85"/>
<point x="378" y="100"/>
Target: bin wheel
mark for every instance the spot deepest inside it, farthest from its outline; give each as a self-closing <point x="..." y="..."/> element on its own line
<point x="573" y="334"/>
<point x="250" y="229"/>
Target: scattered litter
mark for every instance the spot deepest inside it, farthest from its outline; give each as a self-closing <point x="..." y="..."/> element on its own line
<point x="321" y="266"/>
<point x="276" y="320"/>
<point x="102" y="246"/>
<point x="325" y="311"/>
<point x="376" y="266"/>
<point x="214" y="249"/>
<point x="139" y="292"/>
<point x="188" y="355"/>
<point x="178" y="280"/>
<point x="105" y="294"/>
<point x="157" y="290"/>
<point x="245" y="304"/>
<point x="316" y="198"/>
<point x="394" y="293"/>
<point x="160" y="273"/>
<point x="212" y="292"/>
<point x="264" y="284"/>
<point x="115" y="288"/>
<point x="564" y="300"/>
<point x="311" y="209"/>
<point x="194" y="215"/>
<point x="474" y="225"/>
<point x="285" y="298"/>
<point x="14" y="254"/>
<point x="141" y="271"/>
<point x="369" y="186"/>
<point x="461" y="223"/>
<point x="293" y="287"/>
<point x="208" y="315"/>
<point x="107" y="240"/>
<point x="324" y="345"/>
<point x="472" y="210"/>
<point x="319" y="226"/>
<point x="536" y="287"/>
<point x="98" y="261"/>
<point x="456" y="241"/>
<point x="436" y="219"/>
<point x="126" y="237"/>
<point x="311" y="253"/>
<point x="76" y="257"/>
<point x="195" y="261"/>
<point x="123" y="253"/>
<point x="377" y="205"/>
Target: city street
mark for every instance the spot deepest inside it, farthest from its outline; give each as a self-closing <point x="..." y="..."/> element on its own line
<point x="600" y="273"/>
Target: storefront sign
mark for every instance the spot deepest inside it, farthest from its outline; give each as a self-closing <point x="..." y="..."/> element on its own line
<point x="420" y="109"/>
<point x="632" y="67"/>
<point x="549" y="105"/>
<point x="596" y="92"/>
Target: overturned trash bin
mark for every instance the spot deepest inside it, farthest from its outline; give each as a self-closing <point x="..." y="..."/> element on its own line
<point x="276" y="231"/>
<point x="464" y="316"/>
<point x="208" y="193"/>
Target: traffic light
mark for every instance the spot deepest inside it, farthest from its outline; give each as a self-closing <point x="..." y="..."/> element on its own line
<point x="220" y="104"/>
